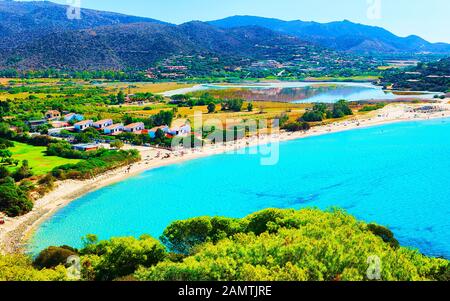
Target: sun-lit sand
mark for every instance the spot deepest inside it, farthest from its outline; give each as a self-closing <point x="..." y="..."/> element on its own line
<point x="15" y="231"/>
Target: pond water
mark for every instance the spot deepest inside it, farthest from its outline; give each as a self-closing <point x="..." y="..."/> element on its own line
<point x="306" y="92"/>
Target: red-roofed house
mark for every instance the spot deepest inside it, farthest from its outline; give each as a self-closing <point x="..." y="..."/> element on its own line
<point x="52" y="115"/>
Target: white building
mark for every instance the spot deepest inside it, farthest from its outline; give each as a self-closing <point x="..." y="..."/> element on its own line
<point x="113" y="129"/>
<point x="152" y="132"/>
<point x="134" y="127"/>
<point x="82" y="125"/>
<point x="101" y="124"/>
<point x="183" y="130"/>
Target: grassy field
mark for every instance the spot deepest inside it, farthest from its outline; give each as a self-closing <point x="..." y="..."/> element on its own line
<point x="343" y="79"/>
<point x="147" y="87"/>
<point x="39" y="162"/>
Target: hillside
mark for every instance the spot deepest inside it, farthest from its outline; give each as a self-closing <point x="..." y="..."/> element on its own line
<point x="38" y="35"/>
<point x="434" y="76"/>
<point x="141" y="45"/>
<point x="21" y="22"/>
<point x="343" y="35"/>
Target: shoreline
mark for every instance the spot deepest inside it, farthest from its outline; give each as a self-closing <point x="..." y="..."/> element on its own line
<point x="16" y="232"/>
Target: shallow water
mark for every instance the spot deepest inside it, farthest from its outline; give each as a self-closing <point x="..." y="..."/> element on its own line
<point x="397" y="175"/>
<point x="306" y="92"/>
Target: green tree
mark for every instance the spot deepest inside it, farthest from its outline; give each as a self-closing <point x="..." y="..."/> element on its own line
<point x="234" y="105"/>
<point x="119" y="257"/>
<point x="182" y="236"/>
<point x="341" y="109"/>
<point x="120" y="97"/>
<point x="160" y="134"/>
<point x="4" y="172"/>
<point x="211" y="107"/>
<point x="13" y="199"/>
<point x="288" y="245"/>
<point x="162" y="118"/>
<point x="4" y="154"/>
<point x="117" y="144"/>
<point x="23" y="172"/>
<point x="53" y="257"/>
<point x="312" y="116"/>
<point x="19" y="267"/>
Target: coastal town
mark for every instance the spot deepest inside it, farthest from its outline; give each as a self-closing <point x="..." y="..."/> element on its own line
<point x="15" y="231"/>
<point x="227" y="142"/>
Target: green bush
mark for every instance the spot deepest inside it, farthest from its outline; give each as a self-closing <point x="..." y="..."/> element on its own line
<point x="297" y="126"/>
<point x="23" y="172"/>
<point x="182" y="236"/>
<point x="289" y="245"/>
<point x="19" y="268"/>
<point x="385" y="234"/>
<point x="312" y="116"/>
<point x="14" y="199"/>
<point x="53" y="257"/>
<point x="106" y="160"/>
<point x="120" y="257"/>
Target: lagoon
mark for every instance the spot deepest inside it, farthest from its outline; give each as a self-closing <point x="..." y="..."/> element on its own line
<point x="305" y="92"/>
<point x="397" y="175"/>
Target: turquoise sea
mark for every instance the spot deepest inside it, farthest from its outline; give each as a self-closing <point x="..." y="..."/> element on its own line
<point x="397" y="175"/>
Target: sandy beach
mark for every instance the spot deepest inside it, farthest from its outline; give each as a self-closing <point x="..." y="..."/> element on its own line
<point x="15" y="232"/>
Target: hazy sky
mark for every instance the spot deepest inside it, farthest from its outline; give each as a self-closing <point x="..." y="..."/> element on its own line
<point x="426" y="18"/>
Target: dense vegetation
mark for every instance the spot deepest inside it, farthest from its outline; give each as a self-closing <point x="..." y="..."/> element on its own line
<point x="272" y="244"/>
<point x="434" y="76"/>
<point x="97" y="163"/>
<point x="344" y="35"/>
<point x="20" y="268"/>
<point x="322" y="111"/>
<point x="16" y="186"/>
<point x="14" y="198"/>
<point x="203" y="50"/>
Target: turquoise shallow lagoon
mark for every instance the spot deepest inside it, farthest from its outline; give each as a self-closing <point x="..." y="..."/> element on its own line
<point x="397" y="175"/>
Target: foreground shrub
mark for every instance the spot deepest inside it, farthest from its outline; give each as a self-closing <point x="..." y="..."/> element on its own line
<point x="20" y="268"/>
<point x="53" y="257"/>
<point x="14" y="199"/>
<point x="290" y="245"/>
<point x="106" y="160"/>
<point x="120" y="257"/>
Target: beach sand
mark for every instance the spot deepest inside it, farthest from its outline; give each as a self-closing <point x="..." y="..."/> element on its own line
<point x="16" y="231"/>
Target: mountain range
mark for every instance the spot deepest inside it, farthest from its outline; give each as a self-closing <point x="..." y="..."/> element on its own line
<point x="38" y="34"/>
<point x="344" y="35"/>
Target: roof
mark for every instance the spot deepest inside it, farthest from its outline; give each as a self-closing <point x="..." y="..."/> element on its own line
<point x="53" y="112"/>
<point x="58" y="122"/>
<point x="114" y="126"/>
<point x="133" y="125"/>
<point x="103" y="121"/>
<point x="84" y="122"/>
<point x="158" y="128"/>
<point x="88" y="145"/>
<point x="37" y="121"/>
